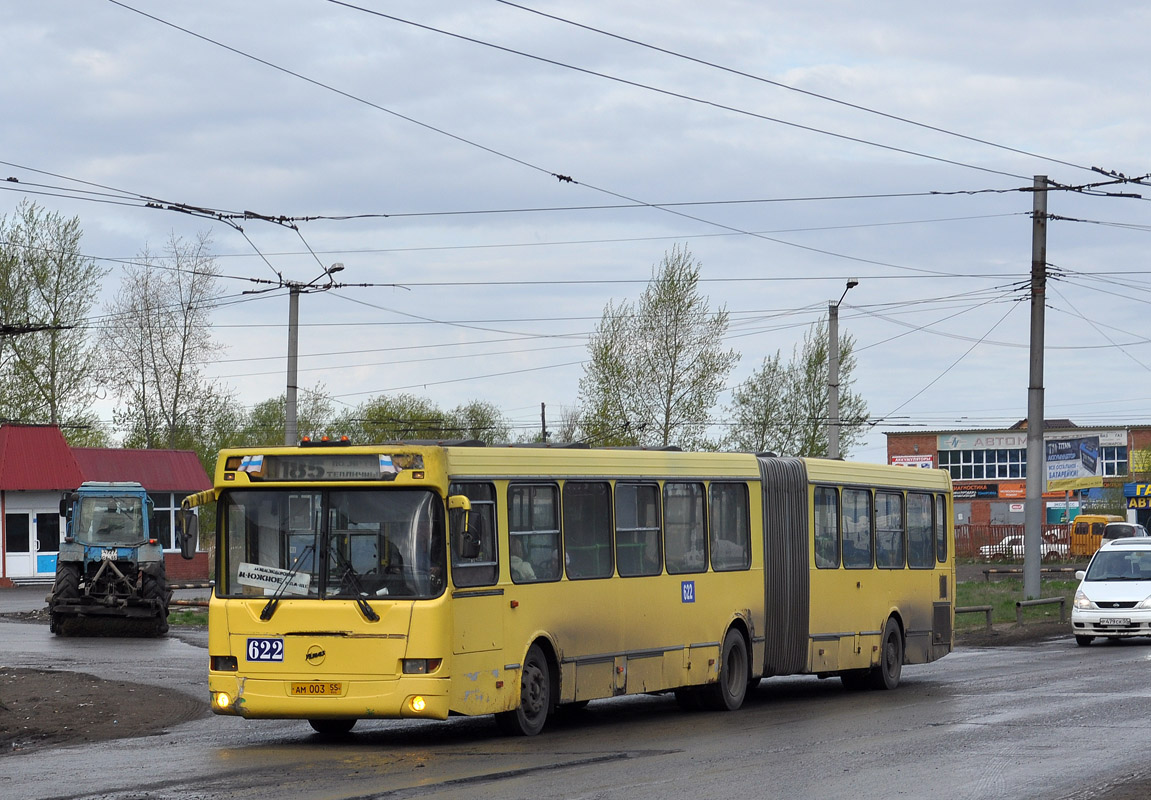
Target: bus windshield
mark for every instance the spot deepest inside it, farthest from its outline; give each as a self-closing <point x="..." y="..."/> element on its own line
<point x="380" y="544"/>
<point x="110" y="520"/>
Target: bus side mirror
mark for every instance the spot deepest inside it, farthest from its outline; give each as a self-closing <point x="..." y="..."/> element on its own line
<point x="465" y="539"/>
<point x="187" y="532"/>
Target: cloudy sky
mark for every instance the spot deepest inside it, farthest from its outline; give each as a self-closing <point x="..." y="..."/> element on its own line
<point x="790" y="146"/>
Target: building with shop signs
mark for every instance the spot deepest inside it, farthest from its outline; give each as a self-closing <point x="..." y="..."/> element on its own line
<point x="1096" y="469"/>
<point x="37" y="467"/>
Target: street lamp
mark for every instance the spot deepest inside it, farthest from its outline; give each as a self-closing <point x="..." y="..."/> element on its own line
<point x="833" y="371"/>
<point x="295" y="289"/>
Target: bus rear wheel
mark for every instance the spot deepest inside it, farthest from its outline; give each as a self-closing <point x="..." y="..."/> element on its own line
<point x="885" y="675"/>
<point x="535" y="697"/>
<point x="728" y="692"/>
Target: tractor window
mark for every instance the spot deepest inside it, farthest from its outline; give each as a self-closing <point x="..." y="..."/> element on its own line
<point x="110" y="520"/>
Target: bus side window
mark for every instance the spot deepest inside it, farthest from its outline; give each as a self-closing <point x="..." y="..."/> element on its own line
<point x="941" y="528"/>
<point x="481" y="569"/>
<point x="826" y="527"/>
<point x="587" y="530"/>
<point x="730" y="527"/>
<point x="920" y="535"/>
<point x="637" y="529"/>
<point x="533" y="533"/>
<point x="685" y="530"/>
<point x="857" y="528"/>
<point x="889" y="530"/>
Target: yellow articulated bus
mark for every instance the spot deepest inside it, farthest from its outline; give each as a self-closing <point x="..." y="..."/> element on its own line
<point x="418" y="580"/>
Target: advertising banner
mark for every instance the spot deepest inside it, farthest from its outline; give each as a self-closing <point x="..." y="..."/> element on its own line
<point x="923" y="462"/>
<point x="1072" y="463"/>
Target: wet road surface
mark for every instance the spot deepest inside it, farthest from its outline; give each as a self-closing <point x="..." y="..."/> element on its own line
<point x="1050" y="720"/>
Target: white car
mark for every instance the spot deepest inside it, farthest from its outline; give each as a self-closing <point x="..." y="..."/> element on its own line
<point x="1114" y="594"/>
<point x="1011" y="547"/>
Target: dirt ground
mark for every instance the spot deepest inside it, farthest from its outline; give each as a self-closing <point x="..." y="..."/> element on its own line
<point x="43" y="708"/>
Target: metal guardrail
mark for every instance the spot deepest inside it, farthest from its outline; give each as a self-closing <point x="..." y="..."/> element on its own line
<point x="976" y="610"/>
<point x="987" y="573"/>
<point x="1021" y="604"/>
<point x="190" y="585"/>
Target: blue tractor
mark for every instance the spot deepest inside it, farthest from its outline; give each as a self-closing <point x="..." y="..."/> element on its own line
<point x="110" y="571"/>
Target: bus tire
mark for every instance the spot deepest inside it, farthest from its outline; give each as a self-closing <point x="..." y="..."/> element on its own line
<point x="730" y="689"/>
<point x="332" y="727"/>
<point x="885" y="674"/>
<point x="528" y="718"/>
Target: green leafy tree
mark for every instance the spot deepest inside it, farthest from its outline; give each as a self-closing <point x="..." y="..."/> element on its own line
<point x="392" y="418"/>
<point x="265" y="422"/>
<point x="47" y="288"/>
<point x="157" y="343"/>
<point x="405" y="416"/>
<point x="783" y="408"/>
<point x="655" y="367"/>
<point x="478" y="420"/>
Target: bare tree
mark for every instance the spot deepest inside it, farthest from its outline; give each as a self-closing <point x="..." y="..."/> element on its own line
<point x="157" y="342"/>
<point x="656" y="367"/>
<point x="47" y="288"/>
<point x="783" y="408"/>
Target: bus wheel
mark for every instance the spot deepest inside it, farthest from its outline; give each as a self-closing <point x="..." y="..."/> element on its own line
<point x="1083" y="641"/>
<point x="886" y="674"/>
<point x="535" y="697"/>
<point x="332" y="727"/>
<point x="728" y="692"/>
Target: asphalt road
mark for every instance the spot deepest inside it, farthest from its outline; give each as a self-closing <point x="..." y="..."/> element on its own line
<point x="1046" y="720"/>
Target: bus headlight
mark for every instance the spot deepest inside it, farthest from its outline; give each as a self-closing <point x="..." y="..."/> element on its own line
<point x="221" y="700"/>
<point x="417" y="704"/>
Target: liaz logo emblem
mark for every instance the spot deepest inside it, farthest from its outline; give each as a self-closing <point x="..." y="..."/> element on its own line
<point x="315" y="655"/>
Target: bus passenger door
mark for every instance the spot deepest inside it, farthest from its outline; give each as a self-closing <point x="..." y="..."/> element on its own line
<point x="477" y="605"/>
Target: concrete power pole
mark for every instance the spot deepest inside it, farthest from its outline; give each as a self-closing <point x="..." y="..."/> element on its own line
<point x="290" y="431"/>
<point x="1034" y="512"/>
<point x="833" y="372"/>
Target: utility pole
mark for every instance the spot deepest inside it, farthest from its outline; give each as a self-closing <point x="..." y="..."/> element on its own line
<point x="1034" y="511"/>
<point x="290" y="431"/>
<point x="295" y="289"/>
<point x="543" y="424"/>
<point x="833" y="372"/>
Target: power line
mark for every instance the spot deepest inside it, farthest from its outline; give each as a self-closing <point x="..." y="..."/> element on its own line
<point x="670" y="93"/>
<point x="790" y="88"/>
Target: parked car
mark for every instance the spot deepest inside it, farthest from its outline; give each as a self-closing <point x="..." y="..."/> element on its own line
<point x="1122" y="530"/>
<point x="1114" y="595"/>
<point x="1011" y="547"/>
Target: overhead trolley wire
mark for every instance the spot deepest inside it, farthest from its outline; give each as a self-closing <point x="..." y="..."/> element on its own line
<point x="790" y="88"/>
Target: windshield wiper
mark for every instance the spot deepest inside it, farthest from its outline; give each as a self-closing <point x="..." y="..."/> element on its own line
<point x="353" y="579"/>
<point x="270" y="606"/>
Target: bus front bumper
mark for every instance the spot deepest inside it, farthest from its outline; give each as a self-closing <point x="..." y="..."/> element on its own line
<point x="334" y="697"/>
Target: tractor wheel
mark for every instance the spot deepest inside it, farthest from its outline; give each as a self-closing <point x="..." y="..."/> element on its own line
<point x="66" y="587"/>
<point x="155" y="587"/>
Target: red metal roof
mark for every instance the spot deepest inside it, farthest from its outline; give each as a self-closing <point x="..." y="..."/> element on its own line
<point x="156" y="470"/>
<point x="36" y="458"/>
